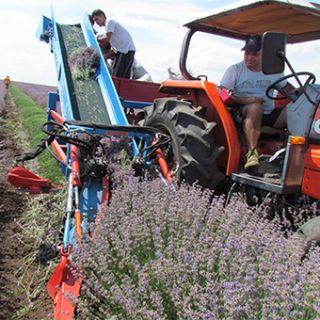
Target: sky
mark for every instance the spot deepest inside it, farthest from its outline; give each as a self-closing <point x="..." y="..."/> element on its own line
<point x="156" y="28"/>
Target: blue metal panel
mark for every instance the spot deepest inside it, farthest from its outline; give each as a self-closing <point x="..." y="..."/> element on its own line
<point x="43" y="29"/>
<point x="53" y="98"/>
<point x="136" y="104"/>
<point x="90" y="198"/>
<point x="50" y="28"/>
<point x="112" y="131"/>
<point x="72" y="235"/>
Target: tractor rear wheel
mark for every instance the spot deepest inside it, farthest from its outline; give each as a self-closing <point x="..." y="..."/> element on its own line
<point x="192" y="153"/>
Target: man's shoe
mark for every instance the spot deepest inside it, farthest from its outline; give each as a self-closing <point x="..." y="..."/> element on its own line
<point x="252" y="159"/>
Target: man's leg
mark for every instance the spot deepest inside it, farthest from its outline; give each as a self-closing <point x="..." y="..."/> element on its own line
<point x="123" y="64"/>
<point x="252" y="115"/>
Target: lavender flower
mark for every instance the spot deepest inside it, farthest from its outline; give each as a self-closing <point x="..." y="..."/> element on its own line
<point x="159" y="254"/>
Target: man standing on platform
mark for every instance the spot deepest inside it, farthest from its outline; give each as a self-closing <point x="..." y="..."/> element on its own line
<point x="120" y="41"/>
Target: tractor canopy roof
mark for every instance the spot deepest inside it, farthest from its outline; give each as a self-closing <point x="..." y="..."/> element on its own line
<point x="298" y="19"/>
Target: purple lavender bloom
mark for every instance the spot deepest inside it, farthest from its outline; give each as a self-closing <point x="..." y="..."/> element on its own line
<point x="159" y="254"/>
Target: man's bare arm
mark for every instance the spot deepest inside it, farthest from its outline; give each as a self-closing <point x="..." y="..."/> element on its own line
<point x="244" y="100"/>
<point x="104" y="40"/>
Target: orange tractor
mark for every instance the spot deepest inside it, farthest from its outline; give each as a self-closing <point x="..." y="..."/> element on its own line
<point x="205" y="138"/>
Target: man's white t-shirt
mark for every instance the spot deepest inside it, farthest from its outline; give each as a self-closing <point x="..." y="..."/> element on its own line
<point x="120" y="39"/>
<point x="245" y="83"/>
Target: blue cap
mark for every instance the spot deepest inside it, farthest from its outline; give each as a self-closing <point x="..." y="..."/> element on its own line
<point x="253" y="44"/>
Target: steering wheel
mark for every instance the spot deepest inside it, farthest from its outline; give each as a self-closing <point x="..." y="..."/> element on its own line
<point x="274" y="86"/>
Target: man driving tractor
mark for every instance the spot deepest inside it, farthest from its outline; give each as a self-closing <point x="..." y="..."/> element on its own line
<point x="248" y="84"/>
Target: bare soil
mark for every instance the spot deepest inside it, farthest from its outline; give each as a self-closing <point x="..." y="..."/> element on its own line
<point x="16" y="273"/>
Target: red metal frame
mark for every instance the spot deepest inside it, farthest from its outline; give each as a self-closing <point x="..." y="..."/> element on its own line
<point x="75" y="171"/>
<point x="64" y="287"/>
<point x="59" y="151"/>
<point x="56" y="116"/>
<point x="311" y="176"/>
<point x="141" y="91"/>
<point x="105" y="197"/>
<point x="25" y="180"/>
<point x="65" y="283"/>
<point x="163" y="165"/>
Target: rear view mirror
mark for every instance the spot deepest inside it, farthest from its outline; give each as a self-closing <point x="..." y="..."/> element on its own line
<point x="273" y="52"/>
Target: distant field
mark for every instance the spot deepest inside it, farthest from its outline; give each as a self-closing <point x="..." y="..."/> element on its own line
<point x="38" y="92"/>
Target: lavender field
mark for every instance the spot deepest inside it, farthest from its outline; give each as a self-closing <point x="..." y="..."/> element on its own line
<point x="164" y="254"/>
<point x="39" y="93"/>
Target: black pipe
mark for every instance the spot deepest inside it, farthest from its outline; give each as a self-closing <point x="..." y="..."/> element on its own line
<point x="184" y="54"/>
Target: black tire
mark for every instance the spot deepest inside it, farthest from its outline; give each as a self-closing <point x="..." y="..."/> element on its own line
<point x="192" y="154"/>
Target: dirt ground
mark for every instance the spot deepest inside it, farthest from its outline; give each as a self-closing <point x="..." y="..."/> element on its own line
<point x="16" y="275"/>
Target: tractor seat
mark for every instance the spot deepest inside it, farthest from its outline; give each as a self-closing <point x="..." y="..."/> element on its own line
<point x="265" y="130"/>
